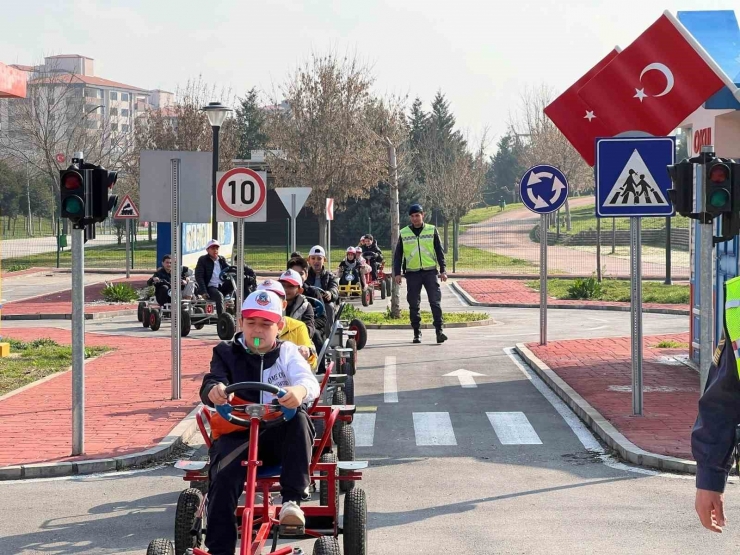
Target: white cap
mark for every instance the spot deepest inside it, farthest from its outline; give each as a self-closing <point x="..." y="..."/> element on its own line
<point x="263" y="304"/>
<point x="273" y="286"/>
<point x="212" y="243"/>
<point x="318" y="250"/>
<point x="292" y="277"/>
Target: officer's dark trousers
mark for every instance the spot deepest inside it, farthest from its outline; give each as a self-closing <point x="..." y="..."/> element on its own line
<point x="428" y="280"/>
<point x="288" y="444"/>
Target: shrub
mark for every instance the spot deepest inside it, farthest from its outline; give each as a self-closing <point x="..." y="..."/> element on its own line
<point x="119" y="293"/>
<point x="588" y="288"/>
<point x="17" y="268"/>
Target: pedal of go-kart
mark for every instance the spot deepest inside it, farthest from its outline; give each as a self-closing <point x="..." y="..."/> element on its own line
<point x="352" y="465"/>
<point x="338" y="378"/>
<point x="345" y="410"/>
<point x="292" y="530"/>
<point x="344" y="350"/>
<point x="191" y="465"/>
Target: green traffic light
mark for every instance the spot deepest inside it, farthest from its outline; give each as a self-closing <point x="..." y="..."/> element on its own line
<point x="719" y="198"/>
<point x="73" y="205"/>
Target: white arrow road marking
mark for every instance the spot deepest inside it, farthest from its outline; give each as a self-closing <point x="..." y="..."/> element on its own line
<point x="535" y="178"/>
<point x="364" y="425"/>
<point x="466" y="377"/>
<point x="433" y="428"/>
<point x="390" y="386"/>
<point x="513" y="428"/>
<point x="557" y="186"/>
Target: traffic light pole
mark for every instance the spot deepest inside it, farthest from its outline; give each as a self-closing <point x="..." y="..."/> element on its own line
<point x="706" y="280"/>
<point x="78" y="334"/>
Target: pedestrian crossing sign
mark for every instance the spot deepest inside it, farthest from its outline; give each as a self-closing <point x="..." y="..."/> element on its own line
<point x="632" y="178"/>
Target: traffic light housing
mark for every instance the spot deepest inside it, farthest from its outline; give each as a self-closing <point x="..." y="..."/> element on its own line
<point x="718" y="187"/>
<point x="682" y="193"/>
<point x="73" y="194"/>
<point x="103" y="200"/>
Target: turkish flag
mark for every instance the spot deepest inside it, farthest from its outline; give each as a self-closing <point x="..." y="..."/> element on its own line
<point x="654" y="83"/>
<point x="575" y="119"/>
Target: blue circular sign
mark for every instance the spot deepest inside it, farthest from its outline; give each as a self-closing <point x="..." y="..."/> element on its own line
<point x="543" y="189"/>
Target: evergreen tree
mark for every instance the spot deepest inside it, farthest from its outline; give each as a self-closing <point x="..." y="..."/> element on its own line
<point x="250" y="121"/>
<point x="504" y="171"/>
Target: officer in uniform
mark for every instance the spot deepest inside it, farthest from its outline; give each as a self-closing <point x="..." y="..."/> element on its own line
<point x="419" y="251"/>
<point x="714" y="436"/>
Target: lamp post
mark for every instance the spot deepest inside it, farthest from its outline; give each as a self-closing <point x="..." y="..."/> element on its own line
<point x="216" y="113"/>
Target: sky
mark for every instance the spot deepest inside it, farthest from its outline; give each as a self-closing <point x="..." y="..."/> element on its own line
<point x="481" y="54"/>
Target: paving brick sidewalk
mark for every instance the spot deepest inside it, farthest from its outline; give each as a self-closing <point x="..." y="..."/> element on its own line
<point x="600" y="371"/>
<point x="61" y="301"/>
<point x="515" y="292"/>
<point x="127" y="400"/>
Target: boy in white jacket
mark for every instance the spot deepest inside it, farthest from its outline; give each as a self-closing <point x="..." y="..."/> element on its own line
<point x="255" y="355"/>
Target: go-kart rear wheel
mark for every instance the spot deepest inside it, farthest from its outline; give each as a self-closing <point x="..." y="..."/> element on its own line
<point x="326" y="545"/>
<point x="145" y="317"/>
<point x="140" y="311"/>
<point x="358" y="326"/>
<point x="366" y="297"/>
<point x="200" y="317"/>
<point x="349" y="389"/>
<point x="388" y="286"/>
<point x="160" y="546"/>
<point x="324" y="484"/>
<point x="187" y="506"/>
<point x="185" y="323"/>
<point x="351" y="368"/>
<point x="155" y="320"/>
<point x="355" y="523"/>
<point x="226" y="326"/>
<point x="339" y="398"/>
<point x="200" y="485"/>
<point x="383" y="293"/>
<point x="346" y="452"/>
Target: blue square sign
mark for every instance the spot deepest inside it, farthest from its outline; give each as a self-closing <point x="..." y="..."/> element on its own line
<point x="632" y="178"/>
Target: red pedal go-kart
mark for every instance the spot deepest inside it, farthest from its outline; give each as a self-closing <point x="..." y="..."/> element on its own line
<point x="383" y="283"/>
<point x="259" y="523"/>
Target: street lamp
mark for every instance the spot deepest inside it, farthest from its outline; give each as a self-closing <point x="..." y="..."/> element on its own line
<point x="216" y="113"/>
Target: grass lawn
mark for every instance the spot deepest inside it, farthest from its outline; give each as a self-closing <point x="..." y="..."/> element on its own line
<point x="584" y="219"/>
<point x="426" y="317"/>
<point x="103" y="256"/>
<point x="670" y="344"/>
<point x="32" y="361"/>
<point x="619" y="290"/>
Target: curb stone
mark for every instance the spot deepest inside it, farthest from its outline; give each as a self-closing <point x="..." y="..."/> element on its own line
<point x="472" y="302"/>
<point x="473" y="324"/>
<point x="60" y="316"/>
<point x="184" y="431"/>
<point x="600" y="425"/>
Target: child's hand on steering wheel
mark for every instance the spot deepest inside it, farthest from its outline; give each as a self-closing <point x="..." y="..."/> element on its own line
<point x="293" y="397"/>
<point x="217" y="395"/>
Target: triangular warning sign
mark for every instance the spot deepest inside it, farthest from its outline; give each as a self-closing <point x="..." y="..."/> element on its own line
<point x="635" y="186"/>
<point x="127" y="210"/>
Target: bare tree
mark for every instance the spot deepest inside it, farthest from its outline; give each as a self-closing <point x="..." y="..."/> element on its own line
<point x="321" y="137"/>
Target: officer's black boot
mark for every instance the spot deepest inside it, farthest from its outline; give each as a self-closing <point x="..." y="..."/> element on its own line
<point x="417" y="335"/>
<point x="441" y="337"/>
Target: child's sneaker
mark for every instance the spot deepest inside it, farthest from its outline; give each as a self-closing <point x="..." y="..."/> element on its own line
<point x="292" y="519"/>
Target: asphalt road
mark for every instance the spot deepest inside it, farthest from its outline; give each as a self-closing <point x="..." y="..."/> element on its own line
<point x="502" y="467"/>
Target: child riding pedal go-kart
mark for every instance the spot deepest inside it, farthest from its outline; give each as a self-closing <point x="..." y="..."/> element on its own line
<point x="352" y="278"/>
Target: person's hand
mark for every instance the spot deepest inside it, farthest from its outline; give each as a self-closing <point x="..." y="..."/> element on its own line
<point x="710" y="506"/>
<point x="398" y="279"/>
<point x="293" y="397"/>
<point x="305" y="352"/>
<point x="217" y="394"/>
<point x="184" y="282"/>
<point x="326" y="295"/>
<point x="155" y="280"/>
<point x="443" y="276"/>
<point x="205" y="296"/>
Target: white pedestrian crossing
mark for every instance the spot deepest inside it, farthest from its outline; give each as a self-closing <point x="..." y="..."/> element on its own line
<point x="433" y="428"/>
<point x="390" y="387"/>
<point x="513" y="428"/>
<point x="364" y="425"/>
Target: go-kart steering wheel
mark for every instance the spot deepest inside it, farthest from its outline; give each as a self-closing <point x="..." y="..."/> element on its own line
<point x="226" y="410"/>
<point x="224" y="275"/>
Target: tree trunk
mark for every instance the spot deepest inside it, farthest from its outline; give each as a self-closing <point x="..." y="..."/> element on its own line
<point x="567" y="215"/>
<point x="557" y="217"/>
<point x="149" y="231"/>
<point x="446" y="228"/>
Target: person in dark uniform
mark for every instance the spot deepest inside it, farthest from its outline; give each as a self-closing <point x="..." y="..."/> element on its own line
<point x="419" y="251"/>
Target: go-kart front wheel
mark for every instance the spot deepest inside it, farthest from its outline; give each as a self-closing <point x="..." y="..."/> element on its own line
<point x="155" y="320"/>
<point x="358" y="326"/>
<point x="185" y="520"/>
<point x="326" y="545"/>
<point x="346" y="452"/>
<point x="145" y="317"/>
<point x="185" y="323"/>
<point x="199" y="317"/>
<point x="355" y="522"/>
<point x="160" y="546"/>
<point x="324" y="484"/>
<point x="140" y="311"/>
<point x="226" y="326"/>
<point x="367" y="296"/>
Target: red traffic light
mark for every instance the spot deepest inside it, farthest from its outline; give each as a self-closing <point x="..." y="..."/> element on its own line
<point x="719" y="173"/>
<point x="71" y="181"/>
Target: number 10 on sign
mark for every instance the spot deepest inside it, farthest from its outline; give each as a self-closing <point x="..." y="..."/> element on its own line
<point x="241" y="193"/>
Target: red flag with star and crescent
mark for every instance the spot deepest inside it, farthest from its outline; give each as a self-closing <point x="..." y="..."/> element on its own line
<point x="575" y="119"/>
<point x="654" y="83"/>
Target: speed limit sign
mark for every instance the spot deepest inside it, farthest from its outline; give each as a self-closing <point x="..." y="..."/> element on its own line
<point x="242" y="194"/>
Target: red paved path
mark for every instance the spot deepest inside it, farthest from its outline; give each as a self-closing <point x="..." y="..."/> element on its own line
<point x="61" y="301"/>
<point x="127" y="396"/>
<point x="671" y="391"/>
<point x="515" y="291"/>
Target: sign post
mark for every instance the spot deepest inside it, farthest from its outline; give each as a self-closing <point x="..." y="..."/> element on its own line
<point x="127" y="211"/>
<point x="329" y="218"/>
<point x="293" y="198"/>
<point x="543" y="189"/>
<point x="241" y="195"/>
<point x="175" y="291"/>
<point x="631" y="181"/>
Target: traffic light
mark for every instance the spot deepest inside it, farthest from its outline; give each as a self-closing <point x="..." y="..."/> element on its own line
<point x="718" y="187"/>
<point x="103" y="200"/>
<point x="73" y="195"/>
<point x="682" y="194"/>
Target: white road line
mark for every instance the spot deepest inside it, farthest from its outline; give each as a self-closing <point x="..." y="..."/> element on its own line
<point x="579" y="428"/>
<point x="513" y="428"/>
<point x="364" y="425"/>
<point x="390" y="387"/>
<point x="433" y="428"/>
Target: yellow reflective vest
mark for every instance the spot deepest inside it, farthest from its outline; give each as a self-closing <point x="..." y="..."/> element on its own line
<point x="419" y="250"/>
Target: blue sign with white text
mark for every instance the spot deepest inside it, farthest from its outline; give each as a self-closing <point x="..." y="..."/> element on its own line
<point x="632" y="178"/>
<point x="543" y="189"/>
